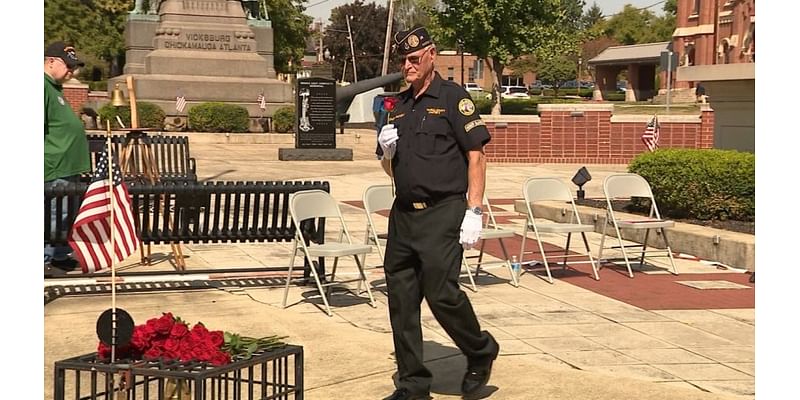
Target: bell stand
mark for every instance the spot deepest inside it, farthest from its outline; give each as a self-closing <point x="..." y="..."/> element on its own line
<point x="137" y="163"/>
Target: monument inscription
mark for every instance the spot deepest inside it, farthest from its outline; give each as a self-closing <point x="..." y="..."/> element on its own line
<point x="316" y="114"/>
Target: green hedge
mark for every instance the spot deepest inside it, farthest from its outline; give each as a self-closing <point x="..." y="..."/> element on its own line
<point x="283" y="119"/>
<point x="218" y="117"/>
<point x="150" y="115"/>
<point x="701" y="184"/>
<point x="519" y="106"/>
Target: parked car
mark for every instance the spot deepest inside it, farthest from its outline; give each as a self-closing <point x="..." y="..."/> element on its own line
<point x="472" y="87"/>
<point x="622" y="86"/>
<point x="514" y="92"/>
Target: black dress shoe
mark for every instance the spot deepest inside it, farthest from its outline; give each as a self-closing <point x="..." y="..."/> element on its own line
<point x="477" y="376"/>
<point x="405" y="394"/>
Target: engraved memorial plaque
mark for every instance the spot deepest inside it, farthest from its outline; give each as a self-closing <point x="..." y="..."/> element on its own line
<point x="315" y="114"/>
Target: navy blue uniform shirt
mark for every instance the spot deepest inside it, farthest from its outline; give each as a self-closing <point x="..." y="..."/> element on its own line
<point x="435" y="132"/>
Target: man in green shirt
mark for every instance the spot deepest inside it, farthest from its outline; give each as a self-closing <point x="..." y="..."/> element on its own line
<point x="66" y="149"/>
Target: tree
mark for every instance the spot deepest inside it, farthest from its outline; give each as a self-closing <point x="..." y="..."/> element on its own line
<point x="290" y="31"/>
<point x="502" y="31"/>
<point x="557" y="70"/>
<point x="634" y="26"/>
<point x="592" y="16"/>
<point x="94" y="27"/>
<point x="368" y="26"/>
<point x="408" y="13"/>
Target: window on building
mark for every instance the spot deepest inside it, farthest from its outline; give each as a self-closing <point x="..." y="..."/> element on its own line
<point x="450" y="73"/>
<point x="725" y="52"/>
<point x="696" y="9"/>
<point x="689" y="55"/>
<point x="470" y="74"/>
<point x="478" y="65"/>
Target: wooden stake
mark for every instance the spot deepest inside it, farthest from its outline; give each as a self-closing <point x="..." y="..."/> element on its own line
<point x="132" y="98"/>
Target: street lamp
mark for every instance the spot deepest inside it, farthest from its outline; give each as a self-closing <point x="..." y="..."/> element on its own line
<point x="580" y="61"/>
<point x="352" y="50"/>
<point x="461" y="50"/>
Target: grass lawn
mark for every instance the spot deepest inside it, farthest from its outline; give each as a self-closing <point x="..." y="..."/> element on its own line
<point x="661" y="109"/>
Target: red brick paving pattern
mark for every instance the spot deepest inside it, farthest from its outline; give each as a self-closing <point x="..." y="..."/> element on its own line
<point x="645" y="290"/>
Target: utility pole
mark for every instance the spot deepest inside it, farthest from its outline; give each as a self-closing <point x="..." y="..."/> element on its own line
<point x="386" y="44"/>
<point x="352" y="49"/>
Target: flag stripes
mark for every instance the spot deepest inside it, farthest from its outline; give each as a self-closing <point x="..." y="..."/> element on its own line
<point x="90" y="236"/>
<point x="651" y="134"/>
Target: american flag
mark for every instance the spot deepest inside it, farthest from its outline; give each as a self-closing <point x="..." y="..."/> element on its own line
<point x="262" y="102"/>
<point x="180" y="103"/>
<point x="650" y="135"/>
<point x="90" y="236"/>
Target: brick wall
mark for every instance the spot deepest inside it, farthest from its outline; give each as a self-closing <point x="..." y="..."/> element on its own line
<point x="589" y="134"/>
<point x="76" y="94"/>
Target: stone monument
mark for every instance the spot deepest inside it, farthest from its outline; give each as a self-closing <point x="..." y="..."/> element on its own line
<point x="315" y="123"/>
<point x="205" y="50"/>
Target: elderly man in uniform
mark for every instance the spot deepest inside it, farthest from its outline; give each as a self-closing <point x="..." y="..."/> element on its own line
<point x="433" y="149"/>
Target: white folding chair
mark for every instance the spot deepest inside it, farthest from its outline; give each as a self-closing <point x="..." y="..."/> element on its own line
<point x="376" y="198"/>
<point x="552" y="189"/>
<point x="490" y="231"/>
<point x="625" y="187"/>
<point x="312" y="204"/>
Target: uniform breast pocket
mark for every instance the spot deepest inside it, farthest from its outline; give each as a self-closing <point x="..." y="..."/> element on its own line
<point x="433" y="137"/>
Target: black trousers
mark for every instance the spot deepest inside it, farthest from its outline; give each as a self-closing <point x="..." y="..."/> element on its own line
<point x="423" y="259"/>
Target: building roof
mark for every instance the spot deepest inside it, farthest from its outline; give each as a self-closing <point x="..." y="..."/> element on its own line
<point x="633" y="54"/>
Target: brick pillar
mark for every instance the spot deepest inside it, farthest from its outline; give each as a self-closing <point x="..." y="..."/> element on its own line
<point x="706" y="139"/>
<point x="633" y="82"/>
<point x="76" y="93"/>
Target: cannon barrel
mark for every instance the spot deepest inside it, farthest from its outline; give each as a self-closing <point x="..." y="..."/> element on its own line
<point x="346" y="94"/>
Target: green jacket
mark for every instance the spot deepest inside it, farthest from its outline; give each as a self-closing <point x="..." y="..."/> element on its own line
<point x="66" y="149"/>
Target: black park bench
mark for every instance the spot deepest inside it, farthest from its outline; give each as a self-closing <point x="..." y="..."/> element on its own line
<point x="190" y="212"/>
<point x="171" y="156"/>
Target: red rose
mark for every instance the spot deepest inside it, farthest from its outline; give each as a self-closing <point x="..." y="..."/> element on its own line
<point x="220" y="358"/>
<point x="164" y="324"/>
<point x="389" y="103"/>
<point x="217" y="338"/>
<point x="153" y="353"/>
<point x="179" y="330"/>
<point x="172" y="344"/>
<point x="103" y="351"/>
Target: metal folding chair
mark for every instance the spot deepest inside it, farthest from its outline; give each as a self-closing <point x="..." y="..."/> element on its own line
<point x="376" y="198"/>
<point x="308" y="204"/>
<point x="552" y="189"/>
<point x="625" y="187"/>
<point x="490" y="231"/>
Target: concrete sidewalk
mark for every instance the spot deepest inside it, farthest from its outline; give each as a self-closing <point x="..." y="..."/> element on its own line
<point x="558" y="341"/>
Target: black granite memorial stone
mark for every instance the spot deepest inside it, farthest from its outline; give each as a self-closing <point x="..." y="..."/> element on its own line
<point x="316" y="114"/>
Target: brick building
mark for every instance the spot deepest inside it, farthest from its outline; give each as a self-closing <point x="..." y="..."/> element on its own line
<point x="710" y="32"/>
<point x="716" y="44"/>
<point x="448" y="64"/>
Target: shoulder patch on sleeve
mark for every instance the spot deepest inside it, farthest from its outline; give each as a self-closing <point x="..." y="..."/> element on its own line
<point x="466" y="107"/>
<point x="472" y="124"/>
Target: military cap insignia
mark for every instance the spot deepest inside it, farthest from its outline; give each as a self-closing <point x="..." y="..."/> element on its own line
<point x="413" y="40"/>
<point x="466" y="107"/>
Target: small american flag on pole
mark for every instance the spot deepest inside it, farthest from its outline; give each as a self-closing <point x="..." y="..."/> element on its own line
<point x="262" y="102"/>
<point x="650" y="135"/>
<point x="90" y="236"/>
<point x="180" y="102"/>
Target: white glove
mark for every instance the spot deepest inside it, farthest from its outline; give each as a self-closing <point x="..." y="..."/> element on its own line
<point x="470" y="229"/>
<point x="388" y="140"/>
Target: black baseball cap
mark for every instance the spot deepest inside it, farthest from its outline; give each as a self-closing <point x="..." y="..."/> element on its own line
<point x="416" y="38"/>
<point x="64" y="52"/>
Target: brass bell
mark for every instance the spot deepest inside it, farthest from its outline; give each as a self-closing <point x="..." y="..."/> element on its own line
<point x="117" y="97"/>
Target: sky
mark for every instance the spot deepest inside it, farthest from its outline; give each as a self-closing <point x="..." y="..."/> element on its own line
<point x="320" y="10"/>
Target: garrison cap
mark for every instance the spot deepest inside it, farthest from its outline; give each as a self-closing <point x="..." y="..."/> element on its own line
<point x="411" y="40"/>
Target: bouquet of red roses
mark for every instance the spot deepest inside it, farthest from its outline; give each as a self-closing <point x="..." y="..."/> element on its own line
<point x="170" y="338"/>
